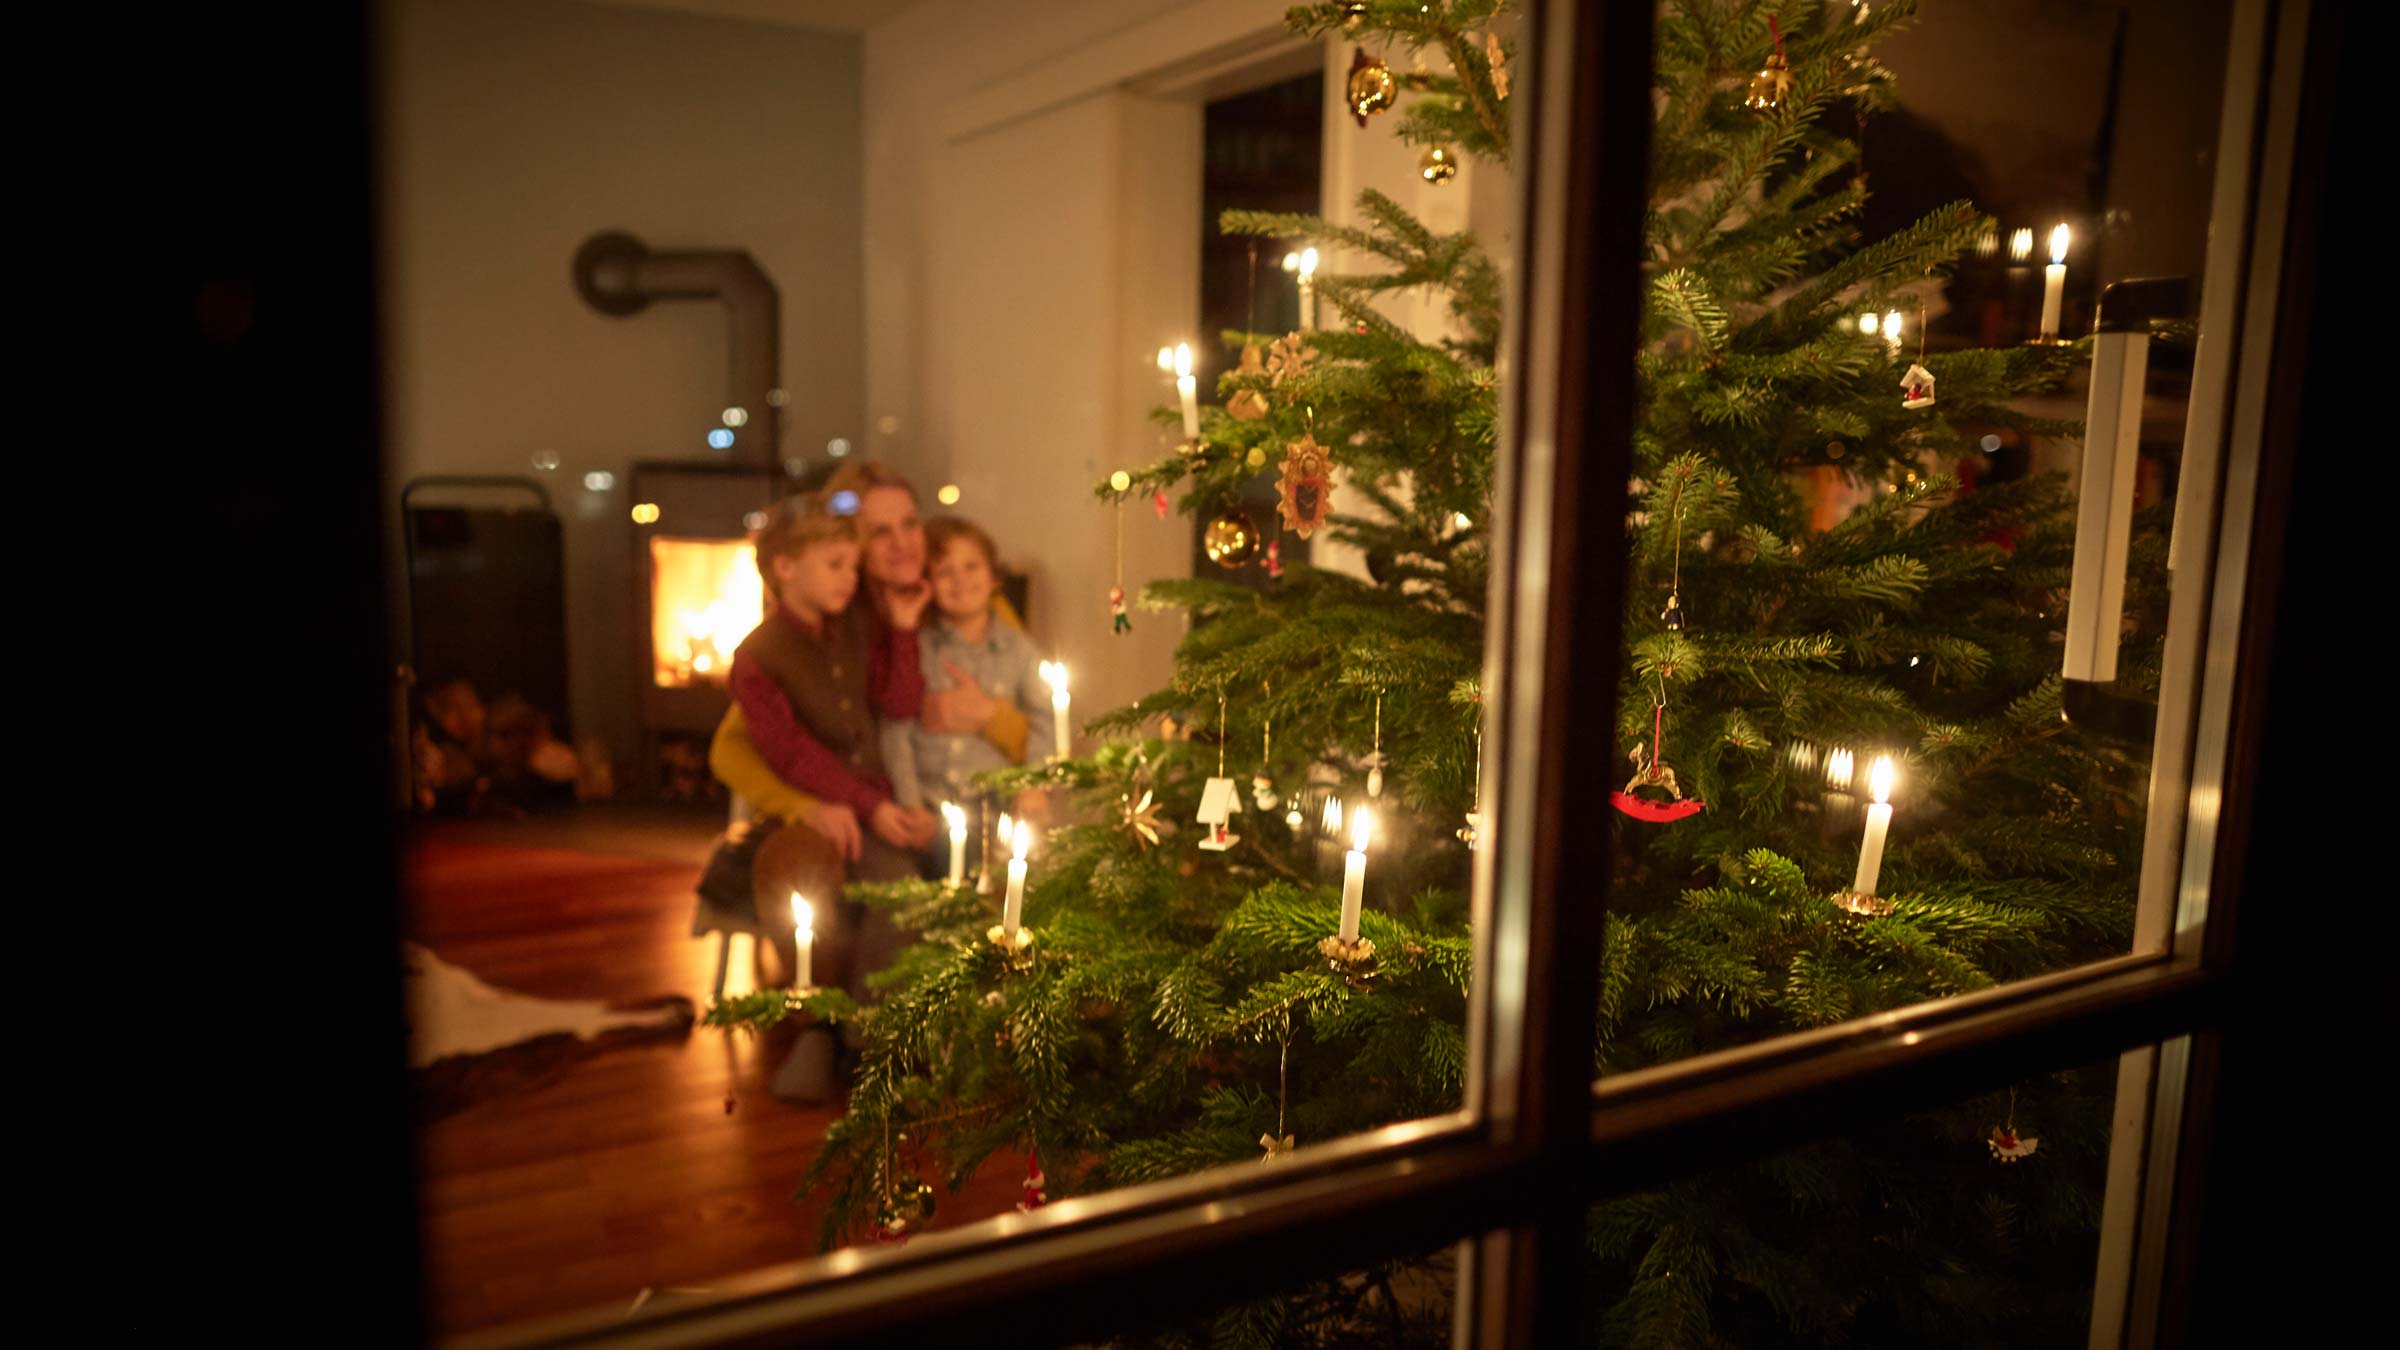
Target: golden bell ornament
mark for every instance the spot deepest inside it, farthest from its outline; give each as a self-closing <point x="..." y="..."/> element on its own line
<point x="1229" y="539"/>
<point x="1439" y="165"/>
<point x="1372" y="87"/>
<point x="1770" y="84"/>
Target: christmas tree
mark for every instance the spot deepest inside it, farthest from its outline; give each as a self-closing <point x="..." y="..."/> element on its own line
<point x="1179" y="1007"/>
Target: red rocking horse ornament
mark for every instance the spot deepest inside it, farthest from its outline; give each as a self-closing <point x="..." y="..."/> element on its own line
<point x="1655" y="776"/>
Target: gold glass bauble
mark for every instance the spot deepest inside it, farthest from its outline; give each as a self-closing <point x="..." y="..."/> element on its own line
<point x="1439" y="165"/>
<point x="1770" y="84"/>
<point x="1229" y="539"/>
<point x="1372" y="87"/>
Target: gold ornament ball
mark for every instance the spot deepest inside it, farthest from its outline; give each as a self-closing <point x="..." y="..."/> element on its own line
<point x="1439" y="165"/>
<point x="1230" y="539"/>
<point x="1372" y="88"/>
<point x="1257" y="458"/>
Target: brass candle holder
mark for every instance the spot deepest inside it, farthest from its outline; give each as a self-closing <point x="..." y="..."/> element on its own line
<point x="1353" y="961"/>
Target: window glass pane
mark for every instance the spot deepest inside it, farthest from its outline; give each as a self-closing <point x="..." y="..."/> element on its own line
<point x="946" y="566"/>
<point x="1975" y="1224"/>
<point x="1901" y="522"/>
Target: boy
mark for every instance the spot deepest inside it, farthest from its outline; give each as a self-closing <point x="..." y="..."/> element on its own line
<point x="810" y="680"/>
<point x="812" y="677"/>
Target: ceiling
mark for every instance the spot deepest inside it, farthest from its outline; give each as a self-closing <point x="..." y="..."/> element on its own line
<point x="846" y="16"/>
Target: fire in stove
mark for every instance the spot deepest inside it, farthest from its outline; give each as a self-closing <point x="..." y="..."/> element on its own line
<point x="705" y="597"/>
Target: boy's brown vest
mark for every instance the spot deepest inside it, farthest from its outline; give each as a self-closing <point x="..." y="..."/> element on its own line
<point x="825" y="680"/>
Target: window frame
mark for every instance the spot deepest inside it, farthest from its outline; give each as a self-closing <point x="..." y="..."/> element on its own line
<point x="1510" y="1175"/>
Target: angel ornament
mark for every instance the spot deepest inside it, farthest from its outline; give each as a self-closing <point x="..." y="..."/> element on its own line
<point x="1916" y="387"/>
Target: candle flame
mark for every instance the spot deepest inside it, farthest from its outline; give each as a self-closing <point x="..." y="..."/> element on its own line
<point x="1054" y="674"/>
<point x="1291" y="262"/>
<point x="1868" y="323"/>
<point x="1891" y="325"/>
<point x="1838" y="767"/>
<point x="1308" y="263"/>
<point x="1008" y="829"/>
<point x="1018" y="842"/>
<point x="2020" y="244"/>
<point x="957" y="816"/>
<point x="1331" y="821"/>
<point x="1362" y="828"/>
<point x="1183" y="363"/>
<point x="1166" y="358"/>
<point x="2058" y="244"/>
<point x="804" y="915"/>
<point x="1880" y="781"/>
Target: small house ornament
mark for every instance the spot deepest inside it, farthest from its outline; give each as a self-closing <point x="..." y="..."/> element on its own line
<point x="1219" y="800"/>
<point x="1916" y="388"/>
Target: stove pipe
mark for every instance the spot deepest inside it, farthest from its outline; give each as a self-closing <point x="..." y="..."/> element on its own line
<point x="617" y="275"/>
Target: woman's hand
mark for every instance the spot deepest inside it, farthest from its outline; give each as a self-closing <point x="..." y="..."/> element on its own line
<point x="839" y="825"/>
<point x="960" y="710"/>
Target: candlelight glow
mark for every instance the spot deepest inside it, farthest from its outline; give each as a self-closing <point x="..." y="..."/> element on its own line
<point x="1868" y="323"/>
<point x="1308" y="262"/>
<point x="1362" y="828"/>
<point x="956" y="815"/>
<point x="1291" y="262"/>
<point x="2058" y="244"/>
<point x="1183" y="359"/>
<point x="1019" y="842"/>
<point x="2020" y="244"/>
<point x="1331" y="821"/>
<point x="1891" y="325"/>
<point x="705" y="597"/>
<point x="1054" y="674"/>
<point x="1008" y="828"/>
<point x="645" y="513"/>
<point x="1838" y="767"/>
<point x="1879" y="781"/>
<point x="804" y="915"/>
<point x="1166" y="358"/>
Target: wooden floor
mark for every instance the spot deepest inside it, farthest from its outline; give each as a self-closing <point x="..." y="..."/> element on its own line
<point x="625" y="1173"/>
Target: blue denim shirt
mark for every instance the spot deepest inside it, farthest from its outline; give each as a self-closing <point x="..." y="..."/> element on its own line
<point x="931" y="767"/>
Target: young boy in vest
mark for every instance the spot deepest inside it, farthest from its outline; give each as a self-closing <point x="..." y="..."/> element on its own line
<point x="811" y="680"/>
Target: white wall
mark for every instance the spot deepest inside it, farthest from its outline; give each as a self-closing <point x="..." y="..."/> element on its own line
<point x="1020" y="279"/>
<point x="515" y="129"/>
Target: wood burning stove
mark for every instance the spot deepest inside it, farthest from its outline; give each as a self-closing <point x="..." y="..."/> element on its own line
<point x="700" y="594"/>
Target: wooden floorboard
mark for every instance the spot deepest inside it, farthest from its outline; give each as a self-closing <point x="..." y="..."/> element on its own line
<point x="624" y="1172"/>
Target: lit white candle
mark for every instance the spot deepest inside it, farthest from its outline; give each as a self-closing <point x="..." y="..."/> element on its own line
<point x="804" y="940"/>
<point x="1011" y="911"/>
<point x="2054" y="281"/>
<point x="1354" y="871"/>
<point x="1054" y="674"/>
<point x="1891" y="332"/>
<point x="1187" y="388"/>
<point x="1308" y="284"/>
<point x="1879" y="821"/>
<point x="956" y="815"/>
